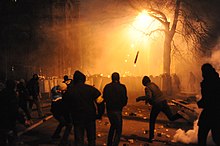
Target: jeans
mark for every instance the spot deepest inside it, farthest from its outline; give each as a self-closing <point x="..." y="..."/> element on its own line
<point x="37" y="102"/>
<point x="62" y="123"/>
<point x="208" y="121"/>
<point x="156" y="109"/>
<point x="79" y="130"/>
<point x="115" y="131"/>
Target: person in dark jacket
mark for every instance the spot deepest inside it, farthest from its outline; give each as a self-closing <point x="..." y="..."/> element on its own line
<point x="155" y="97"/>
<point x="209" y="118"/>
<point x="57" y="107"/>
<point x="8" y="114"/>
<point x="115" y="97"/>
<point x="23" y="97"/>
<point x="80" y="101"/>
<point x="34" y="91"/>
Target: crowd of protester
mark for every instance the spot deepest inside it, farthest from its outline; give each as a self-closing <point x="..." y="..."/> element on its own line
<point x="76" y="106"/>
<point x="17" y="99"/>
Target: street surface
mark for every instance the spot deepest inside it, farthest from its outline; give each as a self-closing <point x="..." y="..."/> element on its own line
<point x="135" y="129"/>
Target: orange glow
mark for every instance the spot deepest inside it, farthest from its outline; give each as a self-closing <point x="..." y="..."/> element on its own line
<point x="143" y="26"/>
<point x="112" y="46"/>
<point x="143" y="37"/>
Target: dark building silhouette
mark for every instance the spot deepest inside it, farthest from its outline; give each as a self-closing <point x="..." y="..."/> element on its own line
<point x="33" y="36"/>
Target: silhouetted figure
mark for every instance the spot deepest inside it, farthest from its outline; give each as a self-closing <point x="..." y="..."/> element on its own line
<point x="66" y="80"/>
<point x="115" y="96"/>
<point x="23" y="97"/>
<point x="8" y="114"/>
<point x="192" y="82"/>
<point x="155" y="97"/>
<point x="209" y="118"/>
<point x="34" y="91"/>
<point x="58" y="112"/>
<point x="175" y="84"/>
<point x="80" y="101"/>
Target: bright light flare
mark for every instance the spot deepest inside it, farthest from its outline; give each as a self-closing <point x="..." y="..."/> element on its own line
<point x="143" y="26"/>
<point x="144" y="35"/>
<point x="142" y="20"/>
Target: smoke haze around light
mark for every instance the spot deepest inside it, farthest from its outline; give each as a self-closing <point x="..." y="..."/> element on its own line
<point x="107" y="39"/>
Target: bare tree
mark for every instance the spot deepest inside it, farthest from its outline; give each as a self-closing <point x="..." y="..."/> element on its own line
<point x="195" y="20"/>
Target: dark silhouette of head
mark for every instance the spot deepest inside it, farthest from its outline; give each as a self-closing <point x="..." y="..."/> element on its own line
<point x="79" y="77"/>
<point x="146" y="80"/>
<point x="115" y="77"/>
<point x="65" y="78"/>
<point x="35" y="76"/>
<point x="208" y="71"/>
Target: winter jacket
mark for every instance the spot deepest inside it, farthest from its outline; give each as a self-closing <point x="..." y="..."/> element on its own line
<point x="80" y="101"/>
<point x="33" y="87"/>
<point x="115" y="96"/>
<point x="153" y="94"/>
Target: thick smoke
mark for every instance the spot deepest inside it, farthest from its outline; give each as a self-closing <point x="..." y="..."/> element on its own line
<point x="98" y="42"/>
<point x="215" y="56"/>
<point x="190" y="136"/>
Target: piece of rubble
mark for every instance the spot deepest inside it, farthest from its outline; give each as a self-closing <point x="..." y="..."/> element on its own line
<point x="99" y="135"/>
<point x="145" y="131"/>
<point x="159" y="134"/>
<point x="132" y="114"/>
<point x="131" y="141"/>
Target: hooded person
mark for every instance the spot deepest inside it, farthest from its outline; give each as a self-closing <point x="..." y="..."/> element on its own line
<point x="155" y="97"/>
<point x="209" y="118"/>
<point x="34" y="92"/>
<point x="80" y="102"/>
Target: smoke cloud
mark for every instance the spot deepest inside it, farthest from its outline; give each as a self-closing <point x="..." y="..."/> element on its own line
<point x="99" y="42"/>
<point x="190" y="136"/>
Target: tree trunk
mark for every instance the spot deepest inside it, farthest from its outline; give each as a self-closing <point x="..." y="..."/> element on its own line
<point x="166" y="86"/>
<point x="167" y="54"/>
